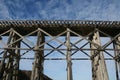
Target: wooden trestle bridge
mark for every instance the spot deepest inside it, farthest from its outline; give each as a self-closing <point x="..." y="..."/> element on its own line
<point x="17" y="32"/>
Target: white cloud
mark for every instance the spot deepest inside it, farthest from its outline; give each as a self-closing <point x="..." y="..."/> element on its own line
<point x="61" y="9"/>
<point x="4" y="13"/>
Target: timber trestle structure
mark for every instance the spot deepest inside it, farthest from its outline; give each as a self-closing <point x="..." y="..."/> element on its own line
<point x="17" y="32"/>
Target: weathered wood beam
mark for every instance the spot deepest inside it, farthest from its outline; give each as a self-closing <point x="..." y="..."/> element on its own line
<point x="68" y="56"/>
<point x="99" y="70"/>
<point x="37" y="71"/>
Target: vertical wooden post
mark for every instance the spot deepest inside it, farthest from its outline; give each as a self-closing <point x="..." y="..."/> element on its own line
<point x="117" y="57"/>
<point x="16" y="59"/>
<point x="3" y="64"/>
<point x="68" y="57"/>
<point x="99" y="71"/>
<point x="37" y="72"/>
<point x="11" y="59"/>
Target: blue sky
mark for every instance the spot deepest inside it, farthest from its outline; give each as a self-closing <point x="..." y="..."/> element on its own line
<point x="62" y="10"/>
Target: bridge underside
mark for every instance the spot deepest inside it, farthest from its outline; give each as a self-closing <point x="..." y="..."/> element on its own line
<point x="69" y="37"/>
<point x="55" y="27"/>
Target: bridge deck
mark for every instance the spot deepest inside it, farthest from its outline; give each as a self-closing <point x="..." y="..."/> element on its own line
<point x="56" y="26"/>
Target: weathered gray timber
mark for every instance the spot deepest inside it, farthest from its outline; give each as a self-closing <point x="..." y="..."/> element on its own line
<point x="17" y="33"/>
